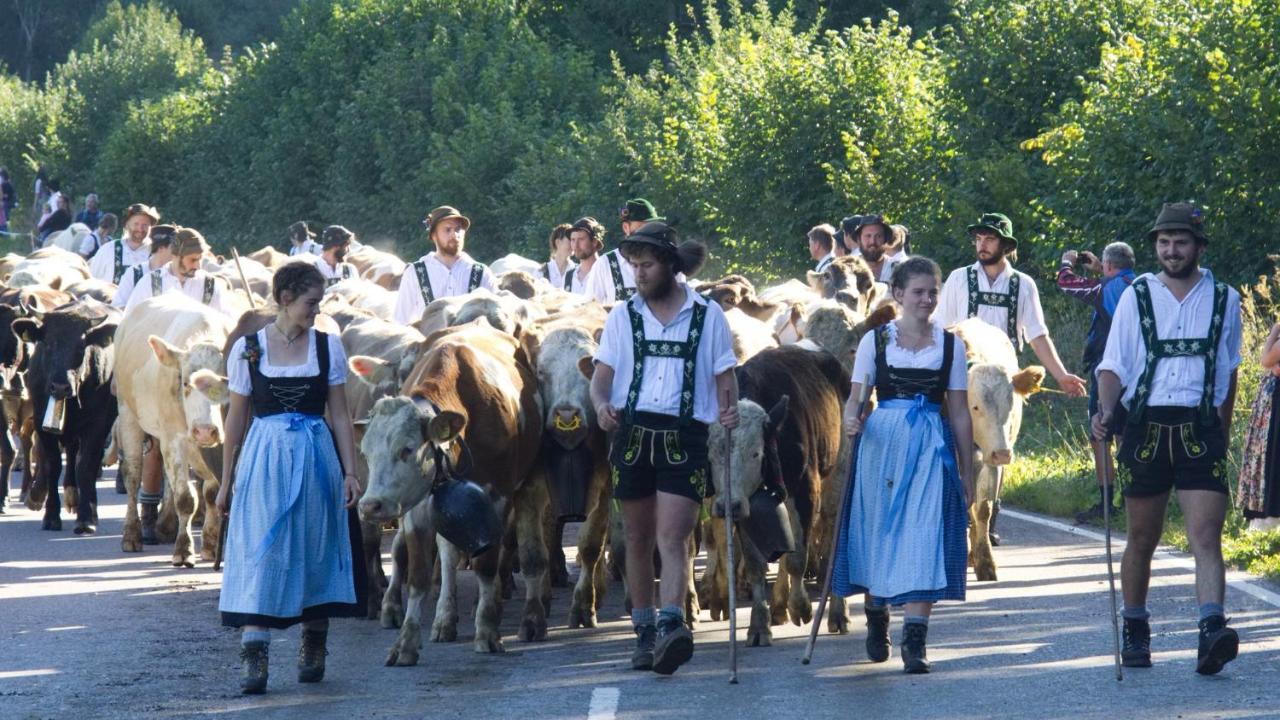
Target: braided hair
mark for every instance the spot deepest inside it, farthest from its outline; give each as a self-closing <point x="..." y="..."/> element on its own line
<point x="293" y="279"/>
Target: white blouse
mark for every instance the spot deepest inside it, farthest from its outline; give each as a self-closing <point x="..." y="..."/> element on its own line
<point x="926" y="358"/>
<point x="238" y="367"/>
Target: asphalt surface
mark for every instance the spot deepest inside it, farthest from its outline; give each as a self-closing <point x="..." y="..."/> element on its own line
<point x="88" y="631"/>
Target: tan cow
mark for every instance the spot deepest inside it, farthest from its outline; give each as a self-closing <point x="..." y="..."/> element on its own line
<point x="997" y="389"/>
<point x="269" y="257"/>
<point x="51" y="267"/>
<point x="377" y="266"/>
<point x="365" y="295"/>
<point x="473" y="388"/>
<point x="170" y="380"/>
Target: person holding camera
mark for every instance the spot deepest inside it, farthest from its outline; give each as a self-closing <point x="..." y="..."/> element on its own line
<point x="1115" y="271"/>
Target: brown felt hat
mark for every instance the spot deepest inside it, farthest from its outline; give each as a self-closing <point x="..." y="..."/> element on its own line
<point x="141" y="209"/>
<point x="188" y="241"/>
<point x="335" y="236"/>
<point x="442" y="213"/>
<point x="1180" y="216"/>
<point x="162" y="235"/>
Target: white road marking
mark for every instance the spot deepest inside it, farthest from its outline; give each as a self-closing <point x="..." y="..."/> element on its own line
<point x="1237" y="580"/>
<point x="604" y="703"/>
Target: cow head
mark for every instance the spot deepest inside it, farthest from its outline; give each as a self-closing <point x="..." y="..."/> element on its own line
<point x="518" y="283"/>
<point x="69" y="343"/>
<point x="400" y="446"/>
<point x="384" y="377"/>
<point x="837" y="329"/>
<point x="753" y="449"/>
<point x="202" y="383"/>
<point x="995" y="408"/>
<point x="562" y="361"/>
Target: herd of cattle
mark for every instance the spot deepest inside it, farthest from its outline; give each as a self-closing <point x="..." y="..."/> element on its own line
<point x="509" y="373"/>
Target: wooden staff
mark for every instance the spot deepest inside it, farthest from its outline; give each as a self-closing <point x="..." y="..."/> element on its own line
<point x="235" y="256"/>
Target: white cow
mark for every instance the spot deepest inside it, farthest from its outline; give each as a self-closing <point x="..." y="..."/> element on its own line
<point x="170" y="380"/>
<point x="512" y="261"/>
<point x="51" y="266"/>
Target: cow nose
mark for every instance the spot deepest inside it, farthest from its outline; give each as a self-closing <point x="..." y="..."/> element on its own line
<point x="59" y="390"/>
<point x="205" y="435"/>
<point x="370" y="509"/>
<point x="567" y="419"/>
<point x="1001" y="457"/>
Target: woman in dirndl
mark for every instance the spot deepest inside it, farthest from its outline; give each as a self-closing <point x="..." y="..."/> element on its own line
<point x="905" y="541"/>
<point x="1259" y="489"/>
<point x="290" y="549"/>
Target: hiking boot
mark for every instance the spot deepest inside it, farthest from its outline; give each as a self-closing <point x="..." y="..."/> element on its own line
<point x="673" y="647"/>
<point x="877" y="634"/>
<point x="1137" y="644"/>
<point x="311" y="655"/>
<point x="1218" y="645"/>
<point x="642" y="658"/>
<point x="914" y="660"/>
<point x="992" y="535"/>
<point x="253" y="668"/>
<point x="150" y="513"/>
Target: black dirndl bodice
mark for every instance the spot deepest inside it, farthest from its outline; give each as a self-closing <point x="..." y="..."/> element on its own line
<point x="907" y="383"/>
<point x="277" y="395"/>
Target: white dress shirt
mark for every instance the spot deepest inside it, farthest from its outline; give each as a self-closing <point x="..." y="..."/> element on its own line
<point x="579" y="284"/>
<point x="825" y="261"/>
<point x="192" y="288"/>
<point x="953" y="304"/>
<point x="600" y="280"/>
<point x="90" y="244"/>
<point x="553" y="275"/>
<point x="1178" y="381"/>
<point x="103" y="264"/>
<point x="663" y="376"/>
<point x="308" y="247"/>
<point x="445" y="282"/>
<point x="127" y="284"/>
<point x="341" y="271"/>
<point x="927" y="358"/>
<point x="887" y="266"/>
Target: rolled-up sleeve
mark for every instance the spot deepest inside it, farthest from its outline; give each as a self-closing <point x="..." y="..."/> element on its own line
<point x="722" y="357"/>
<point x="409" y="307"/>
<point x="1124" y="342"/>
<point x="1030" y="314"/>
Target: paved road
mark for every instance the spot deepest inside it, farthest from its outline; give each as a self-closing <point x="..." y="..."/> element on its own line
<point x="87" y="631"/>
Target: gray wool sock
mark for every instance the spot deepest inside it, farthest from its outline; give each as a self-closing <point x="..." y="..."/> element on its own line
<point x="644" y="616"/>
<point x="248" y="636"/>
<point x="1135" y="613"/>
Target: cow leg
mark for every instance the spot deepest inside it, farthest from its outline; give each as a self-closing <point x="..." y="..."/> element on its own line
<point x="47" y="474"/>
<point x="980" y="553"/>
<point x="557" y="563"/>
<point x="507" y="564"/>
<point x="392" y="612"/>
<point x="488" y="637"/>
<point x="618" y="553"/>
<point x="27" y="440"/>
<point x="182" y="490"/>
<point x="371" y="534"/>
<point x="532" y="505"/>
<point x="445" y="626"/>
<point x="209" y="474"/>
<point x="70" y="490"/>
<point x="130" y="440"/>
<point x="759" y="634"/>
<point x="88" y="466"/>
<point x="714" y="580"/>
<point x="418" y="547"/>
<point x="591" y="538"/>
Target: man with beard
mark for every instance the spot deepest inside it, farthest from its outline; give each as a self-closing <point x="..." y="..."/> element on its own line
<point x="663" y="373"/>
<point x="586" y="240"/>
<point x="183" y="275"/>
<point x="1173" y="350"/>
<point x="613" y="280"/>
<point x="161" y="255"/>
<point x="116" y="256"/>
<point x="335" y="242"/>
<point x="873" y="235"/>
<point x="445" y="272"/>
<point x="990" y="289"/>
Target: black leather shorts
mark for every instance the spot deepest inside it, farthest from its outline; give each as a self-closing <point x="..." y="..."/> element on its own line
<point x="1170" y="448"/>
<point x="656" y="454"/>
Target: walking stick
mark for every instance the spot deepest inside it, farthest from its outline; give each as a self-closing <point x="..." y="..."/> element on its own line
<point x="1105" y="457"/>
<point x="222" y="536"/>
<point x="733" y="571"/>
<point x="235" y="255"/>
<point x="863" y="397"/>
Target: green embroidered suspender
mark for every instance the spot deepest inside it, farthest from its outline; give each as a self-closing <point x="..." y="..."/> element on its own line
<point x="687" y="351"/>
<point x="621" y="292"/>
<point x="1158" y="350"/>
<point x="1008" y="301"/>
<point x="477" y="275"/>
<point x="424" y="282"/>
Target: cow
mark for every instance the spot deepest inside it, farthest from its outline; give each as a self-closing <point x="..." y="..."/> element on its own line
<point x="70" y="238"/>
<point x="523" y="285"/>
<point x="69" y="375"/>
<point x="256" y="274"/>
<point x="100" y="290"/>
<point x="269" y="257"/>
<point x="561" y="353"/>
<point x="834" y="327"/>
<point x="51" y="267"/>
<point x="365" y="295"/>
<point x="391" y="350"/>
<point x="750" y="336"/>
<point x="473" y="389"/>
<point x="997" y="390"/>
<point x="790" y="403"/>
<point x="15" y="400"/>
<point x="512" y="261"/>
<point x="171" y="381"/>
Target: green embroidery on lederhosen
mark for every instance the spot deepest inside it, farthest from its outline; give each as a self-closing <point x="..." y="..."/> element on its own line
<point x="642" y="347"/>
<point x="424" y="282"/>
<point x="671" y="445"/>
<point x="1158" y="350"/>
<point x="477" y="274"/>
<point x="157" y="282"/>
<point x="621" y="292"/>
<point x="118" y="272"/>
<point x="1123" y="479"/>
<point x="698" y="479"/>
<point x="633" y="445"/>
<point x="1008" y="301"/>
<point x="1146" y="452"/>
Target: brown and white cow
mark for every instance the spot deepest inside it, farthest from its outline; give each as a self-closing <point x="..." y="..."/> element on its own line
<point x="561" y="353"/>
<point x="171" y="380"/>
<point x="472" y="387"/>
<point x="997" y="389"/>
<point x="365" y="295"/>
<point x="377" y="266"/>
<point x="50" y="267"/>
<point x="269" y="257"/>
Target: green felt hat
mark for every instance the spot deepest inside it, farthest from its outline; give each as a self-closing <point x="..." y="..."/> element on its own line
<point x="998" y="223"/>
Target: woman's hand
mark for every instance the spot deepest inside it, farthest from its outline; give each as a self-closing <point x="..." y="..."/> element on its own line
<point x="223" y="500"/>
<point x="351" y="490"/>
<point x="853" y="424"/>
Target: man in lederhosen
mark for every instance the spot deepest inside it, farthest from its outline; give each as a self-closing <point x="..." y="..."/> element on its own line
<point x="445" y="272"/>
<point x="161" y="254"/>
<point x="663" y="372"/>
<point x="183" y="275"/>
<point x="586" y="240"/>
<point x="992" y="290"/>
<point x="612" y="280"/>
<point x="1173" y="350"/>
<point x="133" y="247"/>
<point x="335" y="242"/>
